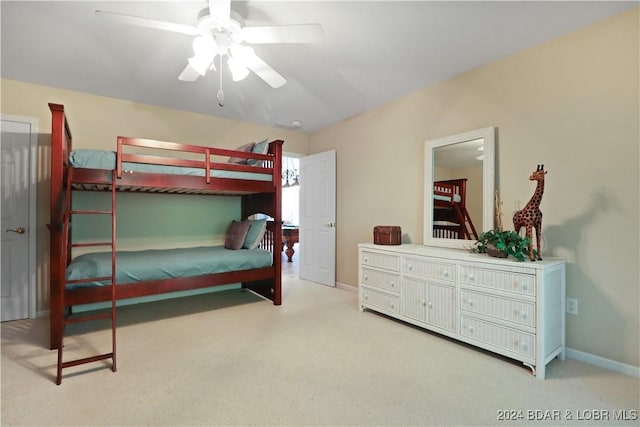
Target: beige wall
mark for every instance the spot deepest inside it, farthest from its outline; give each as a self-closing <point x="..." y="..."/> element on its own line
<point x="95" y="122"/>
<point x="571" y="104"/>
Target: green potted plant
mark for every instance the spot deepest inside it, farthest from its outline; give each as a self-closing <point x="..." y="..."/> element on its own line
<point x="501" y="244"/>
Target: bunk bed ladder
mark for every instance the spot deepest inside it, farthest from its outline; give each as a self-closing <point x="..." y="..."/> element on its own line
<point x="111" y="314"/>
<point x="469" y="229"/>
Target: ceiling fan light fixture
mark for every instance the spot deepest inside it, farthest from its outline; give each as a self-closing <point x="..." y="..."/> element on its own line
<point x="204" y="46"/>
<point x="238" y="70"/>
<point x="200" y="63"/>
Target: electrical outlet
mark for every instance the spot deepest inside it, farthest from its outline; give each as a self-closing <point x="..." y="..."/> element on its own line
<point x="572" y="306"/>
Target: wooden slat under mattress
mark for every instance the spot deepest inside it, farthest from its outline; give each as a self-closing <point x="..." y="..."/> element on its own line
<point x="138" y="189"/>
<point x="100" y="180"/>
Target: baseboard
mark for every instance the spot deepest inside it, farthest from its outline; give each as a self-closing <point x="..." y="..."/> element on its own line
<point x="602" y="362"/>
<point x="346" y="287"/>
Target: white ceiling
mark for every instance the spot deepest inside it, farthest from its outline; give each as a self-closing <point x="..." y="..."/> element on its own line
<point x="372" y="52"/>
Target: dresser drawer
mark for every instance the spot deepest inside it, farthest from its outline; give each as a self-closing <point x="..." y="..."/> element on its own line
<point x="520" y="312"/>
<point x="498" y="336"/>
<point x="429" y="268"/>
<point x="379" y="299"/>
<point x="380" y="279"/>
<point x="506" y="281"/>
<point x="374" y="259"/>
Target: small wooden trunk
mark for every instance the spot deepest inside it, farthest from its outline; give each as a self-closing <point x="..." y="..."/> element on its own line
<point x="387" y="235"/>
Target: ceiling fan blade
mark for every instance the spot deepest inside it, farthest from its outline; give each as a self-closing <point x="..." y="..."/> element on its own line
<point x="264" y="71"/>
<point x="220" y="11"/>
<point x="189" y="74"/>
<point x="301" y="33"/>
<point x="149" y="23"/>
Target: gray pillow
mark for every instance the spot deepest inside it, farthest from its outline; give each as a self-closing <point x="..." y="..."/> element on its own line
<point x="236" y="233"/>
<point x="257" y="228"/>
<point x="247" y="148"/>
<point x="261" y="147"/>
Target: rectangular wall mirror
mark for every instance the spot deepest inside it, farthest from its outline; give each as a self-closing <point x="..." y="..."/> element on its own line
<point x="459" y="182"/>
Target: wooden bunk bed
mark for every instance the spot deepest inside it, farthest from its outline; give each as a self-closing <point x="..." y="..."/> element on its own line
<point x="451" y="218"/>
<point x="258" y="185"/>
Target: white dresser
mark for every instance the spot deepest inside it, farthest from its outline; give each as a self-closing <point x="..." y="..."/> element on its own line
<point x="512" y="308"/>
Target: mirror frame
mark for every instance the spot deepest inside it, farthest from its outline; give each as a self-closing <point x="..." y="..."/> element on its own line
<point x="488" y="185"/>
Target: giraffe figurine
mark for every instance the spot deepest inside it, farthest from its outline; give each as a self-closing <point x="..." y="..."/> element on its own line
<point x="531" y="216"/>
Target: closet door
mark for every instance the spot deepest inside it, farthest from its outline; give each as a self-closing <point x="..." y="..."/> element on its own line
<point x="17" y="156"/>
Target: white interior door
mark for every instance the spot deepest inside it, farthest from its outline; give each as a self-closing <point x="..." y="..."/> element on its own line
<point x="17" y="157"/>
<point x="318" y="218"/>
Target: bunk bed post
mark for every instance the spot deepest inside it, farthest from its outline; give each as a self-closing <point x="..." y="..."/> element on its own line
<point x="60" y="144"/>
<point x="119" y="157"/>
<point x="269" y="203"/>
<point x="277" y="200"/>
<point x="462" y="192"/>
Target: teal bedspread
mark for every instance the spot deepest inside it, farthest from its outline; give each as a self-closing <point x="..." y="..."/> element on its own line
<point x="456" y="198"/>
<point x="155" y="264"/>
<point x="101" y="159"/>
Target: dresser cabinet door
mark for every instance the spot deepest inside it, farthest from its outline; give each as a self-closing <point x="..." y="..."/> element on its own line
<point x="413" y="299"/>
<point x="428" y="302"/>
<point x="441" y="306"/>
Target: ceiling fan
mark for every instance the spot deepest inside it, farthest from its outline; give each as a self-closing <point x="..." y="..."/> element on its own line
<point x="220" y="33"/>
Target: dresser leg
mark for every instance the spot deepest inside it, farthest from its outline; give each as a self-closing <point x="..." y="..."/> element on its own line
<point x="533" y="368"/>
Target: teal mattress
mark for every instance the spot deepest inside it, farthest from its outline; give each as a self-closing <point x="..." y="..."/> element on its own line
<point x="155" y="264"/>
<point x="101" y="159"/>
<point x="456" y="198"/>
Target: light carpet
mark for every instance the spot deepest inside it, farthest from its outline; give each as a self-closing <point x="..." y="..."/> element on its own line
<point x="232" y="358"/>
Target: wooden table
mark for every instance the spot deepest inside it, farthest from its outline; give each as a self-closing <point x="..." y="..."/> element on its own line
<point x="289" y="238"/>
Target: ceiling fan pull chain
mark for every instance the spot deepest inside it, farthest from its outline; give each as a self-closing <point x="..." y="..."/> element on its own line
<point x="220" y="92"/>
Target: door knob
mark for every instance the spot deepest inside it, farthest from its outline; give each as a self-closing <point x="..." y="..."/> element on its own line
<point x="19" y="230"/>
<point x="331" y="224"/>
